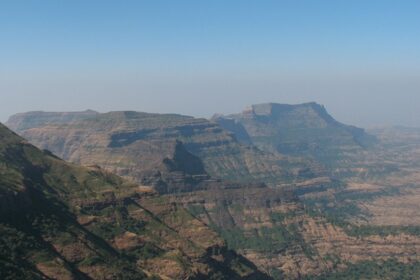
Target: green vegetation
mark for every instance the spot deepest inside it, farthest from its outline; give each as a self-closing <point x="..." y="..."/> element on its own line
<point x="274" y="239"/>
<point x="15" y="249"/>
<point x="265" y="240"/>
<point x="196" y="209"/>
<point x="278" y="217"/>
<point x="366" y="230"/>
<point x="147" y="251"/>
<point x="388" y="270"/>
<point x="337" y="211"/>
<point x="121" y="222"/>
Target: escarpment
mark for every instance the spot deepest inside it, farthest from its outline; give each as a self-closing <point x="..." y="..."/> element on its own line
<point x="133" y="143"/>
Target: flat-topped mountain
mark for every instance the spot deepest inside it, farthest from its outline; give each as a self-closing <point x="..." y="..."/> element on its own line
<point x="39" y="118"/>
<point x="304" y="129"/>
<point x="134" y="143"/>
<point x="62" y="221"/>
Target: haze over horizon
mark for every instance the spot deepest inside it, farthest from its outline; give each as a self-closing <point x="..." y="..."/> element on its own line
<point x="360" y="59"/>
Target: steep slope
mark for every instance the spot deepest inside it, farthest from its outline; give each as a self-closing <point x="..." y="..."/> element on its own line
<point x="303" y="130"/>
<point x="62" y="221"/>
<point x="132" y="143"/>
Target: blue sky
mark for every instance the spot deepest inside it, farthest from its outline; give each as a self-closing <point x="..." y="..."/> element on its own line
<point x="359" y="58"/>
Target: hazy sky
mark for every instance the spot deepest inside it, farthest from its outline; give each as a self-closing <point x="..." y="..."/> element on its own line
<point x="360" y="58"/>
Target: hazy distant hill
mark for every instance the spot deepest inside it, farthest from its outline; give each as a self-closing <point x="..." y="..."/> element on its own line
<point x="303" y="130"/>
<point x="34" y="119"/>
<point x="133" y="143"/>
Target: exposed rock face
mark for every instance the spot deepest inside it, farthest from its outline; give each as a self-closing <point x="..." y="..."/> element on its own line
<point x="132" y="144"/>
<point x="180" y="171"/>
<point x="62" y="221"/>
<point x="305" y="129"/>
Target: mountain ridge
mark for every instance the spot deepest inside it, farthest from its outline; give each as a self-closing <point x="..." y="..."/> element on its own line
<point x="128" y="143"/>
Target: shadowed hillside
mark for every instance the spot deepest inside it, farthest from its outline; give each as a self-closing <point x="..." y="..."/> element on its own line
<point x="62" y="221"/>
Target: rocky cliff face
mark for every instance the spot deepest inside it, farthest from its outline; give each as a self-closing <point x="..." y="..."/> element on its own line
<point x="62" y="221"/>
<point x="305" y="129"/>
<point x="132" y="143"/>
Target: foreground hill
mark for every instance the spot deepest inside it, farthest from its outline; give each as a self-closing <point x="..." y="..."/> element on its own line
<point x="62" y="221"/>
<point x="132" y="144"/>
<point x="302" y="130"/>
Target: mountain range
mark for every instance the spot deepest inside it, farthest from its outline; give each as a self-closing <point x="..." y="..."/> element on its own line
<point x="133" y="144"/>
<point x="253" y="195"/>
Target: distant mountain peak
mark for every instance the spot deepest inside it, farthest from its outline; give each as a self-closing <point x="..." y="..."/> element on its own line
<point x="300" y="129"/>
<point x="22" y="121"/>
<point x="278" y="108"/>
